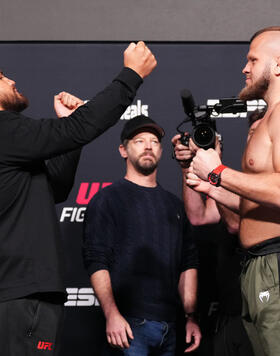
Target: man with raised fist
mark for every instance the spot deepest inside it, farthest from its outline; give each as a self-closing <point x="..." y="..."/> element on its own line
<point x="38" y="160"/>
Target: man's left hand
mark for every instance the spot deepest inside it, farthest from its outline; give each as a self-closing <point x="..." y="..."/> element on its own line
<point x="66" y="103"/>
<point x="192" y="334"/>
<point x="204" y="162"/>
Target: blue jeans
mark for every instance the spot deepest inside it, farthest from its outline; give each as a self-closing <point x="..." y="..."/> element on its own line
<point x="155" y="338"/>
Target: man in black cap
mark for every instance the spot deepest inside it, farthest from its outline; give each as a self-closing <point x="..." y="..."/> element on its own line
<point x="139" y="252"/>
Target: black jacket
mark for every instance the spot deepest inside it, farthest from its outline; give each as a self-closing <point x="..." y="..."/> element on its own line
<point x="30" y="246"/>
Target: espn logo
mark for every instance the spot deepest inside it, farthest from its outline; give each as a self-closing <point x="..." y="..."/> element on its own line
<point x="43" y="345"/>
<point x="81" y="297"/>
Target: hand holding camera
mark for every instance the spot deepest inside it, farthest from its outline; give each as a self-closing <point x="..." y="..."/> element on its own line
<point x="183" y="152"/>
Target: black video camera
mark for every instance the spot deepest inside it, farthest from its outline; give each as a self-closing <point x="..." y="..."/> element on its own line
<point x="204" y="131"/>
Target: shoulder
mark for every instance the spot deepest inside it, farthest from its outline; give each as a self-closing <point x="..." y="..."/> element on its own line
<point x="172" y="198"/>
<point x="19" y="124"/>
<point x="11" y="115"/>
<point x="273" y="121"/>
<point x="176" y="205"/>
<point x="106" y="194"/>
<point x="170" y="195"/>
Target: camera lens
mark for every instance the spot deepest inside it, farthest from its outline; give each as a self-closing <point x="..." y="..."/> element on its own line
<point x="204" y="136"/>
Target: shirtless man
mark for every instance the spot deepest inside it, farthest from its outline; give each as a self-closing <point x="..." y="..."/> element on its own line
<point x="230" y="336"/>
<point x="254" y="194"/>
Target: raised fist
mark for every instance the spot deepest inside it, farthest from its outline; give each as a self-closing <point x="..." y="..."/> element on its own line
<point x="65" y="104"/>
<point x="139" y="58"/>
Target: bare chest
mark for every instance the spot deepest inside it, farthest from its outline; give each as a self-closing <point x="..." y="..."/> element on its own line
<point x="257" y="156"/>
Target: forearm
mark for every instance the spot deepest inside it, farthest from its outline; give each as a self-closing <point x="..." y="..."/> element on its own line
<point x="225" y="197"/>
<point x="231" y="219"/>
<point x="193" y="203"/>
<point x="188" y="294"/>
<point x="101" y="284"/>
<point x="107" y="106"/>
<point x="47" y="138"/>
<point x="262" y="188"/>
<point x="199" y="212"/>
<point x="188" y="290"/>
<point x="61" y="174"/>
<point x="118" y="330"/>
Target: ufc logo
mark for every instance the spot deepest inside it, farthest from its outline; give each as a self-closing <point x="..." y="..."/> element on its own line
<point x="87" y="191"/>
<point x="42" y="345"/>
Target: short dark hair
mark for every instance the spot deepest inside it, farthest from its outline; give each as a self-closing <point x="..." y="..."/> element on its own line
<point x="266" y="29"/>
<point x="125" y="142"/>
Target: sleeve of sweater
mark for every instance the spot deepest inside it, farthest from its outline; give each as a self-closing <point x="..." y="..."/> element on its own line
<point x="25" y="139"/>
<point x="61" y="174"/>
<point x="189" y="250"/>
<point x="99" y="232"/>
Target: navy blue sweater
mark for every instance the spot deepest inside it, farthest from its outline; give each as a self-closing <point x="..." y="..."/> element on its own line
<point x="142" y="237"/>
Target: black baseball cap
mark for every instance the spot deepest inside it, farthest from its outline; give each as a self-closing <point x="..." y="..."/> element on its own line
<point x="139" y="124"/>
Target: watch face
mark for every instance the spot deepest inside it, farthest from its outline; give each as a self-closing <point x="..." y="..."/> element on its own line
<point x="214" y="178"/>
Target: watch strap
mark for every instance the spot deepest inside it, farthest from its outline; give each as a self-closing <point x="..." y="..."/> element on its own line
<point x="219" y="169"/>
<point x="214" y="177"/>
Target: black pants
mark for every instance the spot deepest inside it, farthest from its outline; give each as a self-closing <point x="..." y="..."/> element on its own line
<point x="30" y="326"/>
<point x="232" y="339"/>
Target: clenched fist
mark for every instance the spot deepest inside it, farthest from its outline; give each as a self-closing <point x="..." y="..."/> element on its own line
<point x="204" y="162"/>
<point x="65" y="104"/>
<point x="139" y="58"/>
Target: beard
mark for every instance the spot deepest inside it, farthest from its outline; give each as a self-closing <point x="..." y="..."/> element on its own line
<point x="257" y="90"/>
<point x="147" y="167"/>
<point x="17" y="102"/>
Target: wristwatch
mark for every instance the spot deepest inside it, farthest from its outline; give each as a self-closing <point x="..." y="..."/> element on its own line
<point x="214" y="177"/>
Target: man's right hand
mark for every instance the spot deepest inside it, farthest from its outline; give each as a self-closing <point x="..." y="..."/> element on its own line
<point x="139" y="58"/>
<point x="183" y="154"/>
<point x="118" y="331"/>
